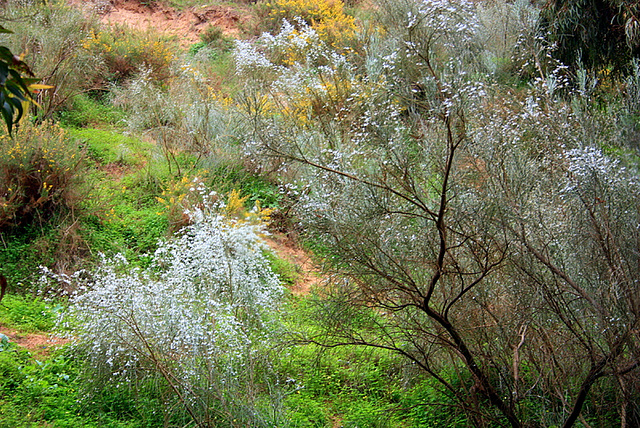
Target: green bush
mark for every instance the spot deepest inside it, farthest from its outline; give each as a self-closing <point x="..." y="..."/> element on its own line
<point x="430" y="407"/>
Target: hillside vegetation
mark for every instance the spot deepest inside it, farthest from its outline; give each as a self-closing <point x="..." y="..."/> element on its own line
<point x="310" y="213"/>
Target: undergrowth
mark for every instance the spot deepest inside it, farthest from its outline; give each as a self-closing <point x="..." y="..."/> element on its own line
<point x="142" y="123"/>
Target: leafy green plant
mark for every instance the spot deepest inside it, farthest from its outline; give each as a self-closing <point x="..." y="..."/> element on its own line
<point x="47" y="393"/>
<point x="214" y="37"/>
<point x="358" y="388"/>
<point x="15" y="86"/>
<point x="51" y="37"/>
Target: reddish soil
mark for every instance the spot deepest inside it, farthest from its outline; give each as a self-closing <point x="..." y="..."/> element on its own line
<point x="185" y="24"/>
<point x="37" y="343"/>
<point x="310" y="275"/>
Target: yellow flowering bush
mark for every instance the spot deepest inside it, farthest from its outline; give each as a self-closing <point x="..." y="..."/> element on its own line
<point x="126" y="51"/>
<point x="178" y="197"/>
<point x="326" y="17"/>
<point x="189" y="193"/>
<point x="39" y="174"/>
<point x="236" y="208"/>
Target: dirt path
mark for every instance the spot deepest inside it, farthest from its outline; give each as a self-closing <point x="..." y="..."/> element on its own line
<point x="186" y="24"/>
<point x="38" y="344"/>
<point x="310" y="275"/>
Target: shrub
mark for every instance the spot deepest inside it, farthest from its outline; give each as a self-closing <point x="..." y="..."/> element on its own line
<point x="327" y="17"/>
<point x="183" y="195"/>
<point x="214" y="36"/>
<point x="126" y="52"/>
<point x="40" y="175"/>
<point x="196" y="321"/>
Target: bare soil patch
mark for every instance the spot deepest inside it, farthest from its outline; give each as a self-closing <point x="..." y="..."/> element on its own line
<point x="310" y="275"/>
<point x="186" y="24"/>
<point x="38" y="344"/>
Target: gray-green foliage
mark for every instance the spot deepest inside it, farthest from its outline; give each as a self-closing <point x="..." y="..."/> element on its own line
<point x="486" y="226"/>
<point x="184" y="117"/>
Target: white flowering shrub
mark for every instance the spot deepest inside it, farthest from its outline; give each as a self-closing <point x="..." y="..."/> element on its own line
<point x="199" y="317"/>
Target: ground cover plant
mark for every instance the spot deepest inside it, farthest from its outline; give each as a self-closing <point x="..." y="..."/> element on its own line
<point x="467" y="192"/>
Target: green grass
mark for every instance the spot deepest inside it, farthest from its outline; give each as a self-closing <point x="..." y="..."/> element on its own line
<point x="23" y="250"/>
<point x="359" y="387"/>
<point x="48" y="393"/>
<point x="26" y="313"/>
<point x="91" y="111"/>
<point x="288" y="272"/>
<point x="109" y="147"/>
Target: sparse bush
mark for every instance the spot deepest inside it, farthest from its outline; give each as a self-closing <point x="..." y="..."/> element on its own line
<point x="181" y="196"/>
<point x="188" y="118"/>
<point x="506" y="35"/>
<point x="305" y="75"/>
<point x="213" y="35"/>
